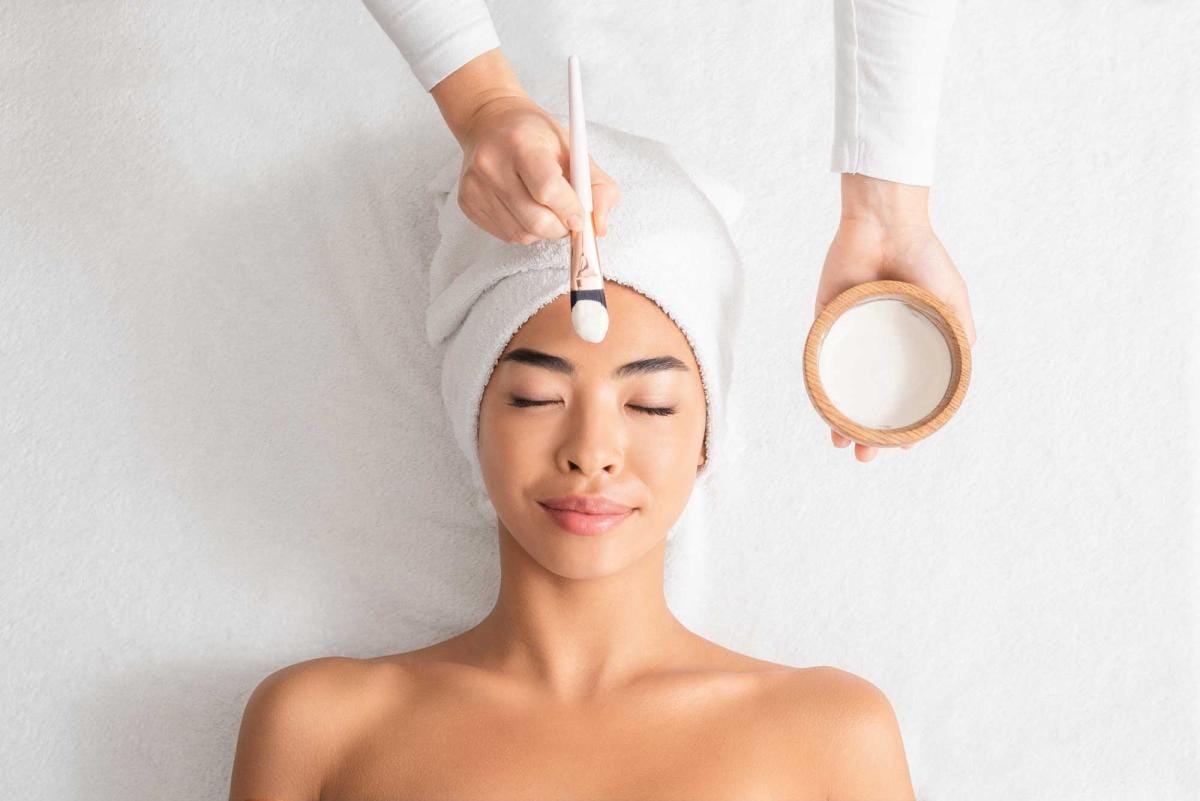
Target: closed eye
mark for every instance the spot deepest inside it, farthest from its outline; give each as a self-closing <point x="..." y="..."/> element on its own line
<point x="661" y="411"/>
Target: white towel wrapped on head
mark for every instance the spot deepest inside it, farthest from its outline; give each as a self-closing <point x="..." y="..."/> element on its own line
<point x="667" y="238"/>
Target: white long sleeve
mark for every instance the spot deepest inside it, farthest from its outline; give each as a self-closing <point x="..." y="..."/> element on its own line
<point x="436" y="37"/>
<point x="890" y="56"/>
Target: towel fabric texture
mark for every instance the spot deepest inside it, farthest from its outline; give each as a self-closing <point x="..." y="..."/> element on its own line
<point x="670" y="242"/>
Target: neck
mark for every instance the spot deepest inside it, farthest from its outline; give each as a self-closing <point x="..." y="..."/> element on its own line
<point x="577" y="637"/>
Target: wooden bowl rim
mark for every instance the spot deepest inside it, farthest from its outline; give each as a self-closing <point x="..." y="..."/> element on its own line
<point x="939" y="313"/>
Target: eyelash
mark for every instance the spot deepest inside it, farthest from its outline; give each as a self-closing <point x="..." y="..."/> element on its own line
<point x="658" y="411"/>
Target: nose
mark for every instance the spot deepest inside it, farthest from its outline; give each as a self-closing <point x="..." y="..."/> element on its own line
<point x="594" y="440"/>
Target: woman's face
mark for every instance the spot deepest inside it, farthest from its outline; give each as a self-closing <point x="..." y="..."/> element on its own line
<point x="559" y="417"/>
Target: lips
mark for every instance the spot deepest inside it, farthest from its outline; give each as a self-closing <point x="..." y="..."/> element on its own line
<point x="583" y="524"/>
<point x="587" y="504"/>
<point x="586" y="515"/>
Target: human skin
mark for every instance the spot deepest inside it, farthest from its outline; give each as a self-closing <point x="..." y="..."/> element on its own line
<point x="580" y="682"/>
<point x="884" y="234"/>
<point x="514" y="185"/>
<point x="515" y="181"/>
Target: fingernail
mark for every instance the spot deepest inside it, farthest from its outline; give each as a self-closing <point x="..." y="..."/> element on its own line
<point x="574" y="222"/>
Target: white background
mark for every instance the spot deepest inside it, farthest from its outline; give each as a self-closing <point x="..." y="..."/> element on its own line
<point x="220" y="451"/>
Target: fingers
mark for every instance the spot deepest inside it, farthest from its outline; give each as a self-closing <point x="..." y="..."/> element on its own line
<point x="864" y="453"/>
<point x="494" y="196"/>
<point x="513" y="230"/>
<point x="515" y="182"/>
<point x="545" y="198"/>
<point x="537" y="202"/>
<point x="534" y="220"/>
<point x="487" y="211"/>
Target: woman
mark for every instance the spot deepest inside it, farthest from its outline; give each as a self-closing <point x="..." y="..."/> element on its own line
<point x="580" y="683"/>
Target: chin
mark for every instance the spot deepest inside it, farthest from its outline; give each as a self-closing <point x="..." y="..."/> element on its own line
<point x="578" y="557"/>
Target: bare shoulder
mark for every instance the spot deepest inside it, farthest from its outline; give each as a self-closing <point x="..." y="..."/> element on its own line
<point x="295" y="723"/>
<point x="855" y="734"/>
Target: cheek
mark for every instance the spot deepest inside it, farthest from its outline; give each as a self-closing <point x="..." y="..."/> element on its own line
<point x="512" y="454"/>
<point x="495" y="438"/>
<point x="667" y="451"/>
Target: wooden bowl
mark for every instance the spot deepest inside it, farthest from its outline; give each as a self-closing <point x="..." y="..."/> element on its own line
<point x="938" y="313"/>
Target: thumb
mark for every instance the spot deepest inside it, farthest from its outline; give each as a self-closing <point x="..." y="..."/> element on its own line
<point x="962" y="310"/>
<point x="827" y="291"/>
<point x="605" y="195"/>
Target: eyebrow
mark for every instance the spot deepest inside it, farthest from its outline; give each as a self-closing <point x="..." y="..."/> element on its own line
<point x="560" y="365"/>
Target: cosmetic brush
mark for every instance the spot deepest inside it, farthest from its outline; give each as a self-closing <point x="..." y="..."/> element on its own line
<point x="589" y="311"/>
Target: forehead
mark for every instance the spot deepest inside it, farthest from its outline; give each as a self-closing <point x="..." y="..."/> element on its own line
<point x="637" y="328"/>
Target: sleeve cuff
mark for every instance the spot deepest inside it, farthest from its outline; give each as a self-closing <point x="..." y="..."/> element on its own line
<point x="436" y="37"/>
<point x="451" y="53"/>
<point x="904" y="165"/>
<point x="890" y="56"/>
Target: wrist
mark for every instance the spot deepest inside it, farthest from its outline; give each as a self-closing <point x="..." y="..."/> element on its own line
<point x="482" y="80"/>
<point x="886" y="204"/>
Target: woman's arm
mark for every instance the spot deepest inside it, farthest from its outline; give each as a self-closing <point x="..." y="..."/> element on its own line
<point x="515" y="181"/>
<point x="889" y="59"/>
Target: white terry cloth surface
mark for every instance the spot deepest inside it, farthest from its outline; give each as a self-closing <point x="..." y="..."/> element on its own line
<point x="670" y="243"/>
<point x="223" y="447"/>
